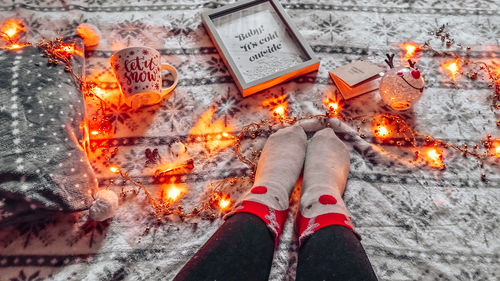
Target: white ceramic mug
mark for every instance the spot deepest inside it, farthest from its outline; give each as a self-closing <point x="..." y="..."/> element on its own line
<point x="139" y="74"/>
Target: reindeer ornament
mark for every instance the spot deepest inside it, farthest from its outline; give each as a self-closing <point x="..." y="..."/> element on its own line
<point x="401" y="87"/>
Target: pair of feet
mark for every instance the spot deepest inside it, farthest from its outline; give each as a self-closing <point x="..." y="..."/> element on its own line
<point x="325" y="160"/>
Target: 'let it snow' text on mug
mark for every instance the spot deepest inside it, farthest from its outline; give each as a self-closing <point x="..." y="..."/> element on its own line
<point x="139" y="74"/>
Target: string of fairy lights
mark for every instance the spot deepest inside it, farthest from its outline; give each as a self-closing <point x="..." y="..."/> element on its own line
<point x="386" y="128"/>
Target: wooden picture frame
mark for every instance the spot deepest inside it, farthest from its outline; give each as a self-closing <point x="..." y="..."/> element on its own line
<point x="259" y="44"/>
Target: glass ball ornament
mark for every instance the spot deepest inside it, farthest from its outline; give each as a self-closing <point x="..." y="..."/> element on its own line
<point x="401" y="87"/>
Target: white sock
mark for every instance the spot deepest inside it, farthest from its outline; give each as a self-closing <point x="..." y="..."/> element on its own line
<point x="325" y="175"/>
<point x="277" y="172"/>
<point x="279" y="167"/>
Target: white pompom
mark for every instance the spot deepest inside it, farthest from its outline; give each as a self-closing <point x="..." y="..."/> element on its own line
<point x="90" y="34"/>
<point x="104" y="206"/>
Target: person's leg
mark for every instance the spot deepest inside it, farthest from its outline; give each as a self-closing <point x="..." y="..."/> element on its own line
<point x="241" y="249"/>
<point x="333" y="253"/>
<point x="329" y="246"/>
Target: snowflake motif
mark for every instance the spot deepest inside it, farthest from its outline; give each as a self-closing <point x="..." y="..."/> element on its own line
<point x="119" y="113"/>
<point x="130" y="29"/>
<point x="481" y="220"/>
<point x="385" y="29"/>
<point x="93" y="228"/>
<point x="157" y="86"/>
<point x="458" y="113"/>
<point x="33" y="24"/>
<point x="228" y="105"/>
<point x="173" y="112"/>
<point x="181" y="26"/>
<point x="490" y="31"/>
<point x="414" y="215"/>
<point x="145" y="52"/>
<point x="216" y="65"/>
<point x="34" y="229"/>
<point x="22" y="277"/>
<point x="331" y="26"/>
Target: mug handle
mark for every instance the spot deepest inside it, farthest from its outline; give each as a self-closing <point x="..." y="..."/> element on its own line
<point x="173" y="71"/>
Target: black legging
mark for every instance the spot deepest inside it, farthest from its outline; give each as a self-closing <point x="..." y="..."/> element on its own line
<point x="242" y="249"/>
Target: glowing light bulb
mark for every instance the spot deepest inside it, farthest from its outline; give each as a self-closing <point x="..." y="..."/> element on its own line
<point x="434" y="157"/>
<point x="433" y="154"/>
<point x="381" y="131"/>
<point x="224" y="202"/>
<point x="411" y="50"/>
<point x="333" y="106"/>
<point x="11" y="32"/>
<point x="452" y="67"/>
<point x="98" y="91"/>
<point x="496" y="149"/>
<point x="279" y="112"/>
<point x="114" y="169"/>
<point x="278" y="107"/>
<point x="11" y="29"/>
<point x="94" y="133"/>
<point x="66" y="49"/>
<point x="174" y="193"/>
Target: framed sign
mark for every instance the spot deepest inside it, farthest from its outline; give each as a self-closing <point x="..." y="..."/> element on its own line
<point x="259" y="44"/>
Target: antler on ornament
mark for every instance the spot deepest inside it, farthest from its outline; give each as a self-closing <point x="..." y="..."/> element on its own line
<point x="412" y="63"/>
<point x="390" y="60"/>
